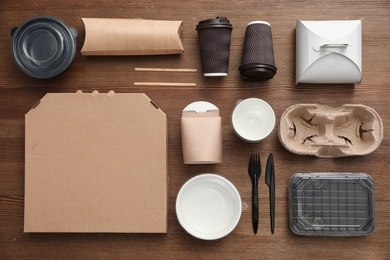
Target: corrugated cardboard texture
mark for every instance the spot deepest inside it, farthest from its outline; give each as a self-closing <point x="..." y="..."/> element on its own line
<point x="96" y="163"/>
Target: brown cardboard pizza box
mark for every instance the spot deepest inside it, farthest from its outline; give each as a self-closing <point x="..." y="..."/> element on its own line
<point x="96" y="163"/>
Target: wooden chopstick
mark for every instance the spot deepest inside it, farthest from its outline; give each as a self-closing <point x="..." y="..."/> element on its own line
<point x="165" y="84"/>
<point x="165" y="70"/>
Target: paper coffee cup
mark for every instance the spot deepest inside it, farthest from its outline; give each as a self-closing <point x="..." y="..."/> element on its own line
<point x="253" y="119"/>
<point x="258" y="61"/>
<point x="214" y="44"/>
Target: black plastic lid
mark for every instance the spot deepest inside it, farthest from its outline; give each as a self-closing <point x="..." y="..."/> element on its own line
<point x="220" y="21"/>
<point x="43" y="47"/>
<point x="257" y="72"/>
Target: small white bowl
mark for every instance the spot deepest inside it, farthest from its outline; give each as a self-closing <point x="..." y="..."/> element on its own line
<point x="208" y="206"/>
<point x="253" y="119"/>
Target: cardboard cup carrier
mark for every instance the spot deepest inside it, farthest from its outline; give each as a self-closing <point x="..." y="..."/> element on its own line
<point x="328" y="132"/>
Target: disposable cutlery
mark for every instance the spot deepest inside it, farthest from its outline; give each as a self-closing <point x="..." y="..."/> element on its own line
<point x="254" y="170"/>
<point x="270" y="181"/>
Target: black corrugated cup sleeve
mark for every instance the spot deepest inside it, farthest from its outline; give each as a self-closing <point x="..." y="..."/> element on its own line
<point x="258" y="61"/>
<point x="214" y="44"/>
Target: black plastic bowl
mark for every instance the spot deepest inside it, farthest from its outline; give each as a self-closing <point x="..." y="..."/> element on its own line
<point x="43" y="47"/>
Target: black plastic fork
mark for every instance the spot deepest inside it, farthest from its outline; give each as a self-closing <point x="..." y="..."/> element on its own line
<point x="254" y="171"/>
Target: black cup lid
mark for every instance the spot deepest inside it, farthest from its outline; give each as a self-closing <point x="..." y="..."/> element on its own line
<point x="257" y="72"/>
<point x="220" y="21"/>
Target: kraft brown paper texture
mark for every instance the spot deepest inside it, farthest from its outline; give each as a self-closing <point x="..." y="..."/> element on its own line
<point x="201" y="138"/>
<point x="96" y="162"/>
<point x="108" y="36"/>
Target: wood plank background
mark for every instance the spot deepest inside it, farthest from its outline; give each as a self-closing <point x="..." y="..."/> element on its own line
<point x="18" y="93"/>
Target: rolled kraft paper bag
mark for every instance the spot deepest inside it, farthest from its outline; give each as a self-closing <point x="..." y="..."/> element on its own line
<point x="106" y="36"/>
<point x="201" y="136"/>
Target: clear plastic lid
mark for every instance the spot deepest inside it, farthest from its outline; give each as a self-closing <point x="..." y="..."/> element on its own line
<point x="43" y="47"/>
<point x="331" y="204"/>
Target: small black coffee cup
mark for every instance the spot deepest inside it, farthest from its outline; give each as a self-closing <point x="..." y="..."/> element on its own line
<point x="214" y="44"/>
<point x="258" y="61"/>
<point x="43" y="46"/>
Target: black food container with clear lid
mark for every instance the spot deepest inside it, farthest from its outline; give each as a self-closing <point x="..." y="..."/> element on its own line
<point x="43" y="46"/>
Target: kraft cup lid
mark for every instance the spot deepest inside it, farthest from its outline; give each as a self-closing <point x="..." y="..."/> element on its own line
<point x="220" y="21"/>
<point x="257" y="72"/>
<point x="253" y="119"/>
<point x="208" y="206"/>
<point x="43" y="46"/>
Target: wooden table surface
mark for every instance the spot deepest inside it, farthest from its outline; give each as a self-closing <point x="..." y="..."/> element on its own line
<point x="18" y="93"/>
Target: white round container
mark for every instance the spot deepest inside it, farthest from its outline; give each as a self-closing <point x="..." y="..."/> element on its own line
<point x="253" y="119"/>
<point x="208" y="206"/>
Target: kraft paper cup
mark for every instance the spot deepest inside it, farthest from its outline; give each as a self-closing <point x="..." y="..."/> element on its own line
<point x="253" y="119"/>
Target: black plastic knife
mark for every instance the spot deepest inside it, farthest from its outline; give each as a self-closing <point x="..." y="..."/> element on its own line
<point x="270" y="181"/>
